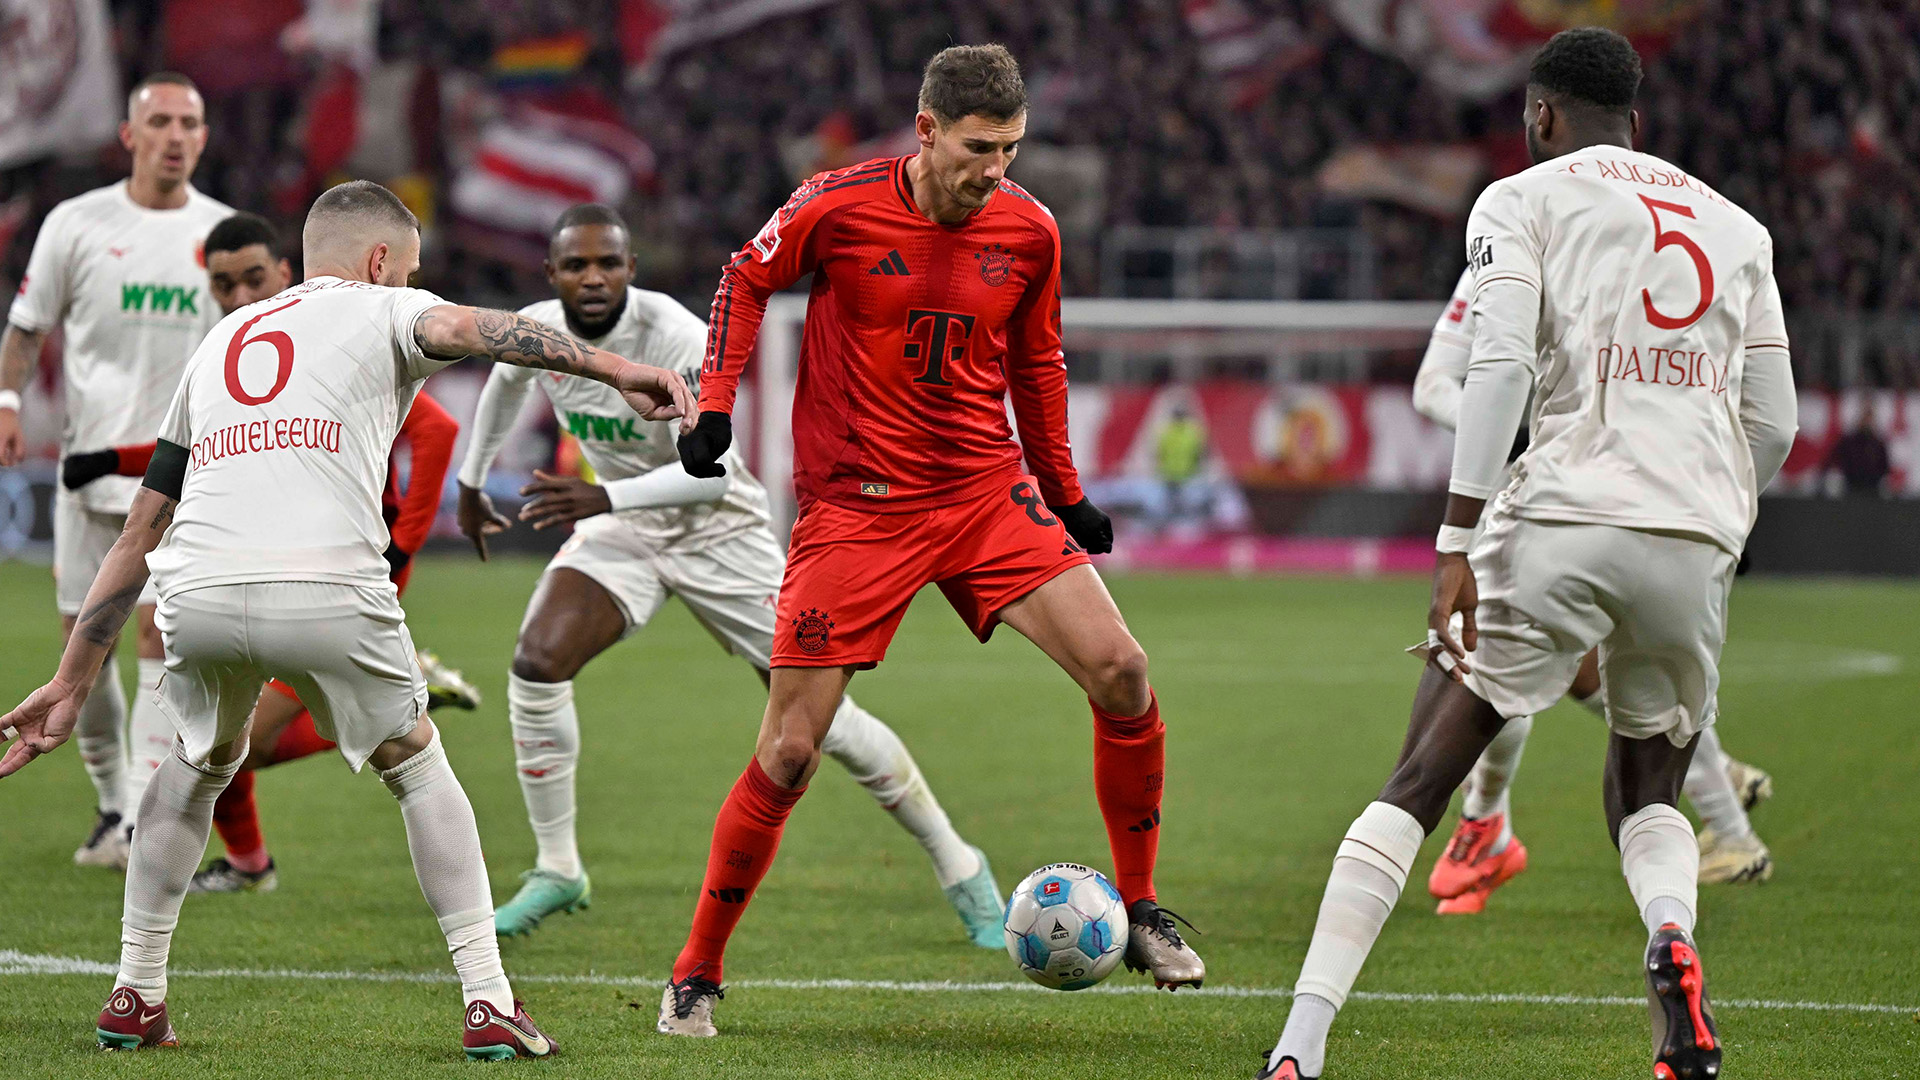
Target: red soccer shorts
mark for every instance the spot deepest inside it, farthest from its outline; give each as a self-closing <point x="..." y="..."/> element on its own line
<point x="852" y="573"/>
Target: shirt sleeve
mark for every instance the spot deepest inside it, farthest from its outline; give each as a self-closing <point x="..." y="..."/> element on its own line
<point x="408" y="306"/>
<point x="429" y="431"/>
<point x="1499" y="375"/>
<point x="1766" y="320"/>
<point x="174" y="427"/>
<point x="42" y="300"/>
<point x="1436" y="389"/>
<point x="780" y="255"/>
<point x="500" y="402"/>
<point x="1502" y="242"/>
<point x="1037" y="382"/>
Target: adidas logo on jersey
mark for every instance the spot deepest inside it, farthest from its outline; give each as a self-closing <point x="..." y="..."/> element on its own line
<point x="159" y="299"/>
<point x="893" y="265"/>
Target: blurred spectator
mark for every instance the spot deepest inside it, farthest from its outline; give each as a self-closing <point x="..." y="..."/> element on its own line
<point x="1860" y="457"/>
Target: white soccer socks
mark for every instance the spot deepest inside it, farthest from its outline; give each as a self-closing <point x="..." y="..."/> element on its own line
<point x="1661" y="862"/>
<point x="881" y="763"/>
<point x="176" y="816"/>
<point x="445" y="844"/>
<point x="100" y="734"/>
<point x="150" y="737"/>
<point x="1711" y="791"/>
<point x="1369" y="871"/>
<point x="546" y="753"/>
<point x="1491" y="780"/>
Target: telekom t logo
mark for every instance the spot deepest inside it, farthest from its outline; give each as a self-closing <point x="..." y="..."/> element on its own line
<point x="941" y="337"/>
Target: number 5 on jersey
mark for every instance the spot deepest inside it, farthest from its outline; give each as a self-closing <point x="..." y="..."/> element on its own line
<point x="282" y="347"/>
<point x="1663" y="237"/>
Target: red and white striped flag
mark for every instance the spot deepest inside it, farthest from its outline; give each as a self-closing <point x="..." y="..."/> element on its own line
<point x="528" y="167"/>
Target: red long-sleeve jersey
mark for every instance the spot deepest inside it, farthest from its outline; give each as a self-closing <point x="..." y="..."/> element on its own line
<point x="915" y="335"/>
<point x="429" y="432"/>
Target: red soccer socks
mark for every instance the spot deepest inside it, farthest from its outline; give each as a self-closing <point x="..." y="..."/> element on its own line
<point x="745" y="837"/>
<point x="1129" y="768"/>
<point x="238" y="821"/>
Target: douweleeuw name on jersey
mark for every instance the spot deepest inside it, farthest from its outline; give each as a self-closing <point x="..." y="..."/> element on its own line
<point x="309" y="433"/>
<point x="149" y="298"/>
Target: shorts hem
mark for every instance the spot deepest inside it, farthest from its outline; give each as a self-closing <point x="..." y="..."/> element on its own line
<point x="620" y="602"/>
<point x="864" y="663"/>
<point x="1022" y="591"/>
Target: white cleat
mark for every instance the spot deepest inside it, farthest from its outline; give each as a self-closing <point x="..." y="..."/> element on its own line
<point x="1754" y="786"/>
<point x="446" y="686"/>
<point x="686" y="1008"/>
<point x="108" y="844"/>
<point x="1154" y="945"/>
<point x="1728" y="862"/>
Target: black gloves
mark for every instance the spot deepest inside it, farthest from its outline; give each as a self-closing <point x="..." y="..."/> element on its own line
<point x="396" y="558"/>
<point x="1089" y="526"/>
<point x="700" y="449"/>
<point x="79" y="470"/>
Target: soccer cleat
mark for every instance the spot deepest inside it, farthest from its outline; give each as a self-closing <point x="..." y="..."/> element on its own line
<point x="222" y="876"/>
<point x="543" y="893"/>
<point x="492" y="1037"/>
<point x="982" y="909"/>
<point x="129" y="1023"/>
<point x="1470" y="861"/>
<point x="446" y="687"/>
<point x="1155" y="945"/>
<point x="686" y="1008"/>
<point x="1686" y="1042"/>
<point x="1474" y="901"/>
<point x="1729" y="862"/>
<point x="1754" y="785"/>
<point x="107" y="844"/>
<point x="1285" y="1069"/>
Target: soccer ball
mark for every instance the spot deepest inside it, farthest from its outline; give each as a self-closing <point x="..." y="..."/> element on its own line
<point x="1066" y="927"/>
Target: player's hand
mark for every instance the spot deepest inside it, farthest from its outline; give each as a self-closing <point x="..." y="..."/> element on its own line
<point x="13" y="444"/>
<point x="79" y="470"/>
<point x="1454" y="592"/>
<point x="556" y="500"/>
<point x="1089" y="526"/>
<point x="700" y="448"/>
<point x="41" y="723"/>
<point x="655" y="393"/>
<point x="478" y="519"/>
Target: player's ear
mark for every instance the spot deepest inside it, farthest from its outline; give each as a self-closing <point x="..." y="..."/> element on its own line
<point x="126" y="135"/>
<point x="376" y="263"/>
<point x="925" y="126"/>
<point x="1633" y="124"/>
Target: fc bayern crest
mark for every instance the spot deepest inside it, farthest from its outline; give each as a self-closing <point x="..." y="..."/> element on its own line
<point x="811" y="628"/>
<point x="995" y="263"/>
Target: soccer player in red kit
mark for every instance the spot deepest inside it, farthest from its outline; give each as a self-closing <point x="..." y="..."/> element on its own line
<point x="935" y="294"/>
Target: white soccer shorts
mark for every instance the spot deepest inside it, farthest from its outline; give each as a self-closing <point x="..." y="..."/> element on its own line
<point x="344" y="649"/>
<point x="81" y="540"/>
<point x="730" y="584"/>
<point x="1655" y="603"/>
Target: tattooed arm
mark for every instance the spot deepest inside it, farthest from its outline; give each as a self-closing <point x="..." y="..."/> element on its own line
<point x="450" y="331"/>
<point x="45" y="719"/>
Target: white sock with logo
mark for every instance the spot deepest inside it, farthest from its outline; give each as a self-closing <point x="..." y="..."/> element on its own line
<point x="176" y="817"/>
<point x="1491" y="781"/>
<point x="873" y="753"/>
<point x="1711" y="791"/>
<point x="1369" y="871"/>
<point x="445" y="844"/>
<point x="546" y="754"/>
<point x="100" y="734"/>
<point x="150" y="737"/>
<point x="1661" y="862"/>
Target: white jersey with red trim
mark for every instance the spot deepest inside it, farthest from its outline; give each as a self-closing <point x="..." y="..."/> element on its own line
<point x="1652" y="287"/>
<point x="128" y="285"/>
<point x="289" y="410"/>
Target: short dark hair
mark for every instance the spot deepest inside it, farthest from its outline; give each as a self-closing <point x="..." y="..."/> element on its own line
<point x="973" y="80"/>
<point x="243" y="230"/>
<point x="364" y="199"/>
<point x="589" y="214"/>
<point x="1590" y="65"/>
<point x="159" y="78"/>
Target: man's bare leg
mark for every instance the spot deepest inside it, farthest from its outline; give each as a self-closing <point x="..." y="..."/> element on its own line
<point x="1073" y="619"/>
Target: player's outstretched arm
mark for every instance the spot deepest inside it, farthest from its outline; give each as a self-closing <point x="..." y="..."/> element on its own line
<point x="45" y="719"/>
<point x="18" y="351"/>
<point x="451" y="331"/>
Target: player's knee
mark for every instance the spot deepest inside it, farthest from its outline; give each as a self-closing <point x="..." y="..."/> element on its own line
<point x="536" y="660"/>
<point x="1420" y="791"/>
<point x="1118" y="679"/>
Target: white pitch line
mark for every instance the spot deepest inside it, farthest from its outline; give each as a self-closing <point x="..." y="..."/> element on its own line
<point x="19" y="963"/>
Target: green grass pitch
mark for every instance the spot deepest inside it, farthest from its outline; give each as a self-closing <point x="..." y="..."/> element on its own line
<point x="1285" y="702"/>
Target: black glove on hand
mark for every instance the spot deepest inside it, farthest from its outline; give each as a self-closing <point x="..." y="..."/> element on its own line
<point x="1089" y="526"/>
<point x="396" y="558"/>
<point x="700" y="449"/>
<point x="79" y="470"/>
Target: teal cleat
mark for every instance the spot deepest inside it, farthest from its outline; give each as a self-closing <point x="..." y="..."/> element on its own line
<point x="982" y="909"/>
<point x="543" y="893"/>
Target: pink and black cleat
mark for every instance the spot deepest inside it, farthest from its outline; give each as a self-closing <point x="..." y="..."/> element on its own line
<point x="1285" y="1069"/>
<point x="129" y="1023"/>
<point x="492" y="1037"/>
<point x="1686" y="1042"/>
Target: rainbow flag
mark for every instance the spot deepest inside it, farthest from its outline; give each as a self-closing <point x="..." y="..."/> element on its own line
<point x="540" y="61"/>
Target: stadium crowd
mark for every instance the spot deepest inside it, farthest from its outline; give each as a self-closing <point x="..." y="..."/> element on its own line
<point x="1756" y="98"/>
